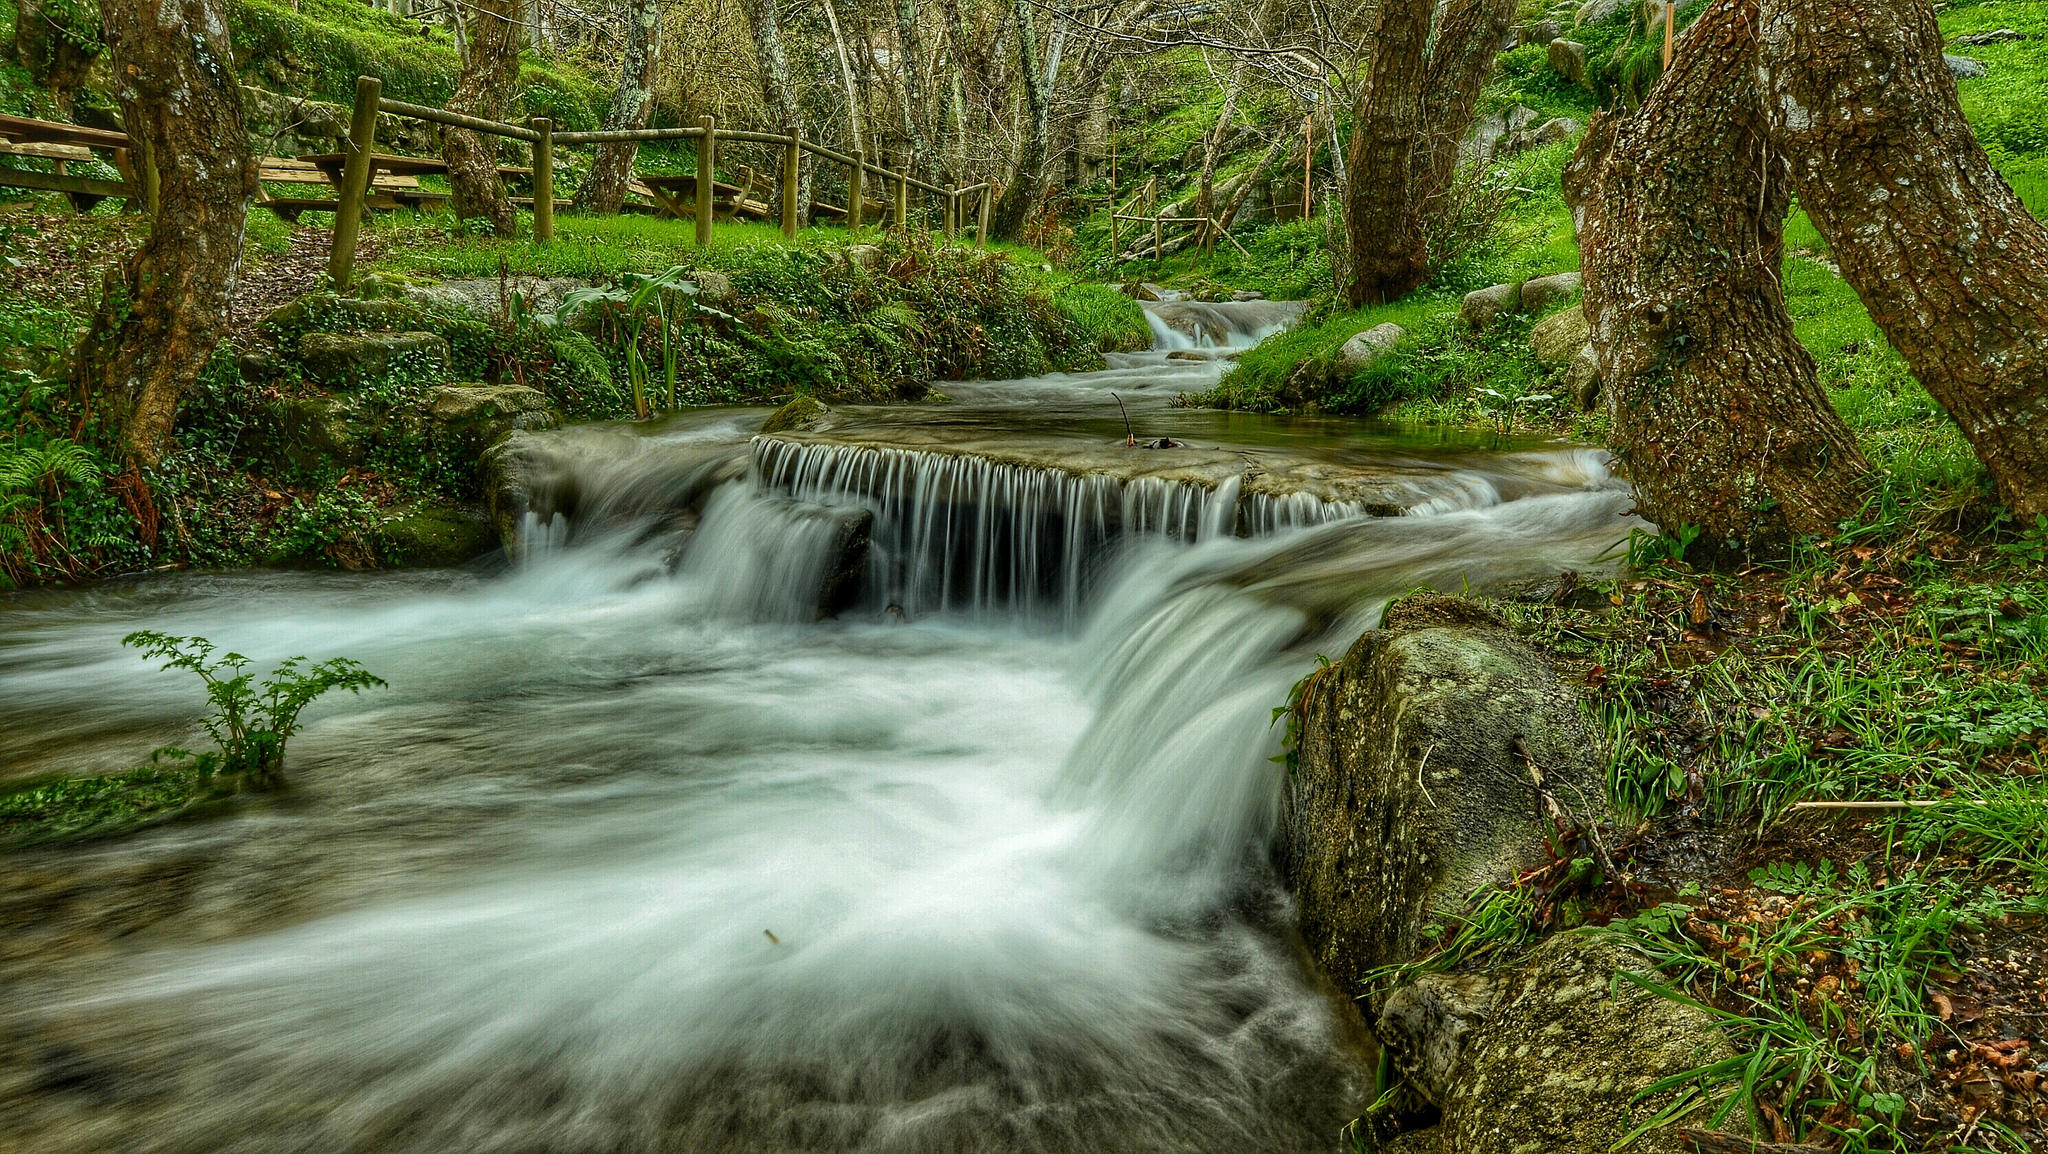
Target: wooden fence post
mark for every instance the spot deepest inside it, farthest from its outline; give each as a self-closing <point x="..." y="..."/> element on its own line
<point x="952" y="212"/>
<point x="543" y="179"/>
<point x="856" y="196"/>
<point x="355" y="181"/>
<point x="792" y="158"/>
<point x="981" y="222"/>
<point x="903" y="201"/>
<point x="707" y="156"/>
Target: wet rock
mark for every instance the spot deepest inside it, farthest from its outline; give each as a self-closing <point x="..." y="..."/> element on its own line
<point x="1424" y="1025"/>
<point x="804" y="414"/>
<point x="1556" y="1058"/>
<point x="430" y="535"/>
<point x="1203" y="355"/>
<point x="1582" y="377"/>
<point x="1211" y="323"/>
<point x="1247" y="295"/>
<point x="1482" y="307"/>
<point x="1568" y="59"/>
<point x="1963" y="67"/>
<point x="1544" y="291"/>
<point x="1361" y="352"/>
<point x="475" y="417"/>
<point x="1557" y="338"/>
<point x="1407" y="795"/>
<point x="849" y="565"/>
<point x="350" y="360"/>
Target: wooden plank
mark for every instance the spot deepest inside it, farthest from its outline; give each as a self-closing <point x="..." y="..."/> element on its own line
<point x="24" y="128"/>
<point x="63" y="182"/>
<point x="65" y="152"/>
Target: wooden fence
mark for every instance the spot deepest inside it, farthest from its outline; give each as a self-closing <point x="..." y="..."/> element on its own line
<point x="541" y="135"/>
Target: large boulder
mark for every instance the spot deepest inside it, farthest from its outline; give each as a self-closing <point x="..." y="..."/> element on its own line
<point x="1558" y="337"/>
<point x="1547" y="1056"/>
<point x="1568" y="59"/>
<point x="1481" y="307"/>
<point x="472" y="418"/>
<point x="1361" y="352"/>
<point x="351" y="360"/>
<point x="429" y="534"/>
<point x="1582" y="377"/>
<point x="1544" y="291"/>
<point x="1410" y="789"/>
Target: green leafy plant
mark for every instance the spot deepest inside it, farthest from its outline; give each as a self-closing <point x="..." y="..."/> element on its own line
<point x="251" y="720"/>
<point x="637" y="295"/>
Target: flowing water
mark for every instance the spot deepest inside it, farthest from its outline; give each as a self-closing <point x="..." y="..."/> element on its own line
<point x="897" y="787"/>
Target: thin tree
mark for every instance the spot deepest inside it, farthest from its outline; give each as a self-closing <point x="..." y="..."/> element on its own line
<point x="910" y="46"/>
<point x="1716" y="411"/>
<point x="1416" y="105"/>
<point x="490" y="70"/>
<point x="164" y="309"/>
<point x="1950" y="264"/>
<point x="611" y="169"/>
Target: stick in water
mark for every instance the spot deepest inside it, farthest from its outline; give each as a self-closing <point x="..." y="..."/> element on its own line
<point x="1130" y="435"/>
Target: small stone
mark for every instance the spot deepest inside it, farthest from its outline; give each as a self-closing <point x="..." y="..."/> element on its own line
<point x="1482" y="307"/>
<point x="1361" y="352"/>
<point x="1544" y="291"/>
<point x="1963" y="67"/>
<point x="867" y="256"/>
<point x="713" y="287"/>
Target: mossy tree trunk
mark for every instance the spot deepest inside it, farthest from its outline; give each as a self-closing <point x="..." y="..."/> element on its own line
<point x="764" y="18"/>
<point x="1716" y="411"/>
<point x="611" y="169"/>
<point x="490" y="69"/>
<point x="1416" y="105"/>
<point x="1950" y="264"/>
<point x="165" y="308"/>
<point x="1028" y="175"/>
<point x="57" y="41"/>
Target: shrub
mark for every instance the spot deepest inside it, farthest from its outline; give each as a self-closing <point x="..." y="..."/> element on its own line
<point x="250" y="722"/>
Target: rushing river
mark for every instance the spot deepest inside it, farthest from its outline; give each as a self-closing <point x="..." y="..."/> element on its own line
<point x="640" y="853"/>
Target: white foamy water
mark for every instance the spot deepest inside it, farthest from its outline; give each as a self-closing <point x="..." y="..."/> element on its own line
<point x="639" y="854"/>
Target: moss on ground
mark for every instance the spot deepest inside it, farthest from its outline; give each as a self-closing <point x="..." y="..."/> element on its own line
<point x="58" y="809"/>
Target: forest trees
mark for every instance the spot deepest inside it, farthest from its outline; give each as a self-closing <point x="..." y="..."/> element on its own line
<point x="1950" y="264"/>
<point x="164" y="309"/>
<point x="1416" y="105"/>
<point x="611" y="169"/>
<point x="1716" y="411"/>
<point x="490" y="70"/>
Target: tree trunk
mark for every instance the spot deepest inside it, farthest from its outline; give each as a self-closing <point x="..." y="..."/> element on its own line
<point x="1948" y="261"/>
<point x="1416" y="105"/>
<point x="1205" y="186"/>
<point x="911" y="43"/>
<point x="853" y="91"/>
<point x="764" y="18"/>
<point x="1716" y="411"/>
<point x="1028" y="184"/>
<point x="57" y="44"/>
<point x="490" y="68"/>
<point x="611" y="169"/>
<point x="165" y="308"/>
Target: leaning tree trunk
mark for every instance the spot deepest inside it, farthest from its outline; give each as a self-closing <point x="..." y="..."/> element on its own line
<point x="910" y="41"/>
<point x="1948" y="261"/>
<point x="1212" y="148"/>
<point x="1416" y="105"/>
<point x="611" y="169"/>
<point x="1027" y="185"/>
<point x="490" y="68"/>
<point x="165" y="308"/>
<point x="1716" y="411"/>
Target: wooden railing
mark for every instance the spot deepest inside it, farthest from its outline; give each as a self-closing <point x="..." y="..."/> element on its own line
<point x="360" y="166"/>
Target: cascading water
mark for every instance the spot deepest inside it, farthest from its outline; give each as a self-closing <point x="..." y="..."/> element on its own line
<point x="638" y="854"/>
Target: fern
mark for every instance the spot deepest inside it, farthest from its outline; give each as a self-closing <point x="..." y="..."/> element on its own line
<point x="23" y="467"/>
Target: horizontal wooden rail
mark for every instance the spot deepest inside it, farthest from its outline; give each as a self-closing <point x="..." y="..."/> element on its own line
<point x="458" y="120"/>
<point x="623" y="135"/>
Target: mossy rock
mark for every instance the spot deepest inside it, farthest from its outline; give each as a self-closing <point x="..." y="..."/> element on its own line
<point x="1556" y="339"/>
<point x="428" y="535"/>
<point x="802" y="415"/>
<point x="352" y="360"/>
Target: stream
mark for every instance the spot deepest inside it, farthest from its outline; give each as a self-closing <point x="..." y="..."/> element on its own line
<point x="693" y="825"/>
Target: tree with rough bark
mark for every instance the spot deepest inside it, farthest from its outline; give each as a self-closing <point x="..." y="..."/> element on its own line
<point x="1947" y="260"/>
<point x="611" y="169"/>
<point x="57" y="41"/>
<point x="1716" y="411"/>
<point x="164" y="309"/>
<point x="1416" y="105"/>
<point x="1027" y="180"/>
<point x="490" y="71"/>
<point x="778" y="92"/>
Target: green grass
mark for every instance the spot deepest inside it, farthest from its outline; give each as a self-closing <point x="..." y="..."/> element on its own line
<point x="45" y="810"/>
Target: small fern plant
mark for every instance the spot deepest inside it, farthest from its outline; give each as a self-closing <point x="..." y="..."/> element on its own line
<point x="251" y="720"/>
